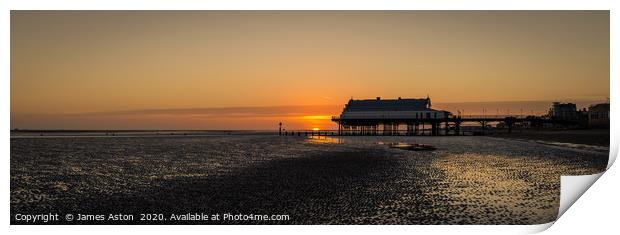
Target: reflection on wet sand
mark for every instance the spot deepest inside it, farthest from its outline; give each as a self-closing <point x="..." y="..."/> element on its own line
<point x="324" y="140"/>
<point x="494" y="187"/>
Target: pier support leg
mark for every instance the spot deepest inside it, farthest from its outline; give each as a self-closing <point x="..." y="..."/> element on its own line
<point x="395" y="129"/>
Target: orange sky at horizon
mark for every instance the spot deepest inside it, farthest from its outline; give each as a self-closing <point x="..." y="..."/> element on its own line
<point x="67" y="66"/>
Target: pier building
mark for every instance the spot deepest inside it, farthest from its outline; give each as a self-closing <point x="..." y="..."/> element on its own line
<point x="391" y="117"/>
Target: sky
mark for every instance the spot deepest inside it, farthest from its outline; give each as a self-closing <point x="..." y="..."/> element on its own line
<point x="253" y="69"/>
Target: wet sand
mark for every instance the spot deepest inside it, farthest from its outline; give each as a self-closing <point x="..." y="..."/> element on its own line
<point x="345" y="180"/>
<point x="595" y="137"/>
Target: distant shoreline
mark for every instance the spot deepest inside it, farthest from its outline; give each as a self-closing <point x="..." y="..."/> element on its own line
<point x="126" y="130"/>
<point x="130" y="133"/>
<point x="595" y="137"/>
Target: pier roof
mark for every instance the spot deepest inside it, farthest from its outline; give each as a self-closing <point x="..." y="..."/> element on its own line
<point x="389" y="105"/>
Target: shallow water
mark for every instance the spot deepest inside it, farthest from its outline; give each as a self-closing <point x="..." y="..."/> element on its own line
<point x="318" y="180"/>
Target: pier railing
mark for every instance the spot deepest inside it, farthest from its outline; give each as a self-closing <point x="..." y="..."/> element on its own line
<point x="493" y="116"/>
<point x="460" y="117"/>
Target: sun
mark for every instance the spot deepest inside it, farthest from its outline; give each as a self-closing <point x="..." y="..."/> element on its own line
<point x="315" y="129"/>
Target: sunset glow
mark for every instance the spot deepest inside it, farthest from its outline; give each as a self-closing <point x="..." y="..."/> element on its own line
<point x="317" y="117"/>
<point x="253" y="70"/>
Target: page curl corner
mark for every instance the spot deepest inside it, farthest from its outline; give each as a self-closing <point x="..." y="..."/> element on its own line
<point x="572" y="187"/>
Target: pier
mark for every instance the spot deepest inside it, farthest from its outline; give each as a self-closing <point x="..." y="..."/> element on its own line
<point x="415" y="117"/>
<point x="450" y="125"/>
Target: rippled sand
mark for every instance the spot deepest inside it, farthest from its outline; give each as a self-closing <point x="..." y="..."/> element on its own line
<point x="344" y="180"/>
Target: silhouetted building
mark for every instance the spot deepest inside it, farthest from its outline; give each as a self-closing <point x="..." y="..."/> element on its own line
<point x="391" y="109"/>
<point x="563" y="111"/>
<point x="598" y="115"/>
<point x="386" y="116"/>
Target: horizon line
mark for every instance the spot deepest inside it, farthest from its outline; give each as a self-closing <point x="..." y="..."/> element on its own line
<point x="224" y="108"/>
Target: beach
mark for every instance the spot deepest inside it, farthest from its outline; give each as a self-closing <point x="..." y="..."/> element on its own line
<point x="313" y="180"/>
<point x="593" y="137"/>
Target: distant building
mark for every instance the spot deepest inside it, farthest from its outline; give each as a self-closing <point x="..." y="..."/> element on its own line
<point x="391" y="109"/>
<point x="598" y="115"/>
<point x="563" y="111"/>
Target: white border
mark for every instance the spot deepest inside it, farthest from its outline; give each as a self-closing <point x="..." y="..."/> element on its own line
<point x="583" y="217"/>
